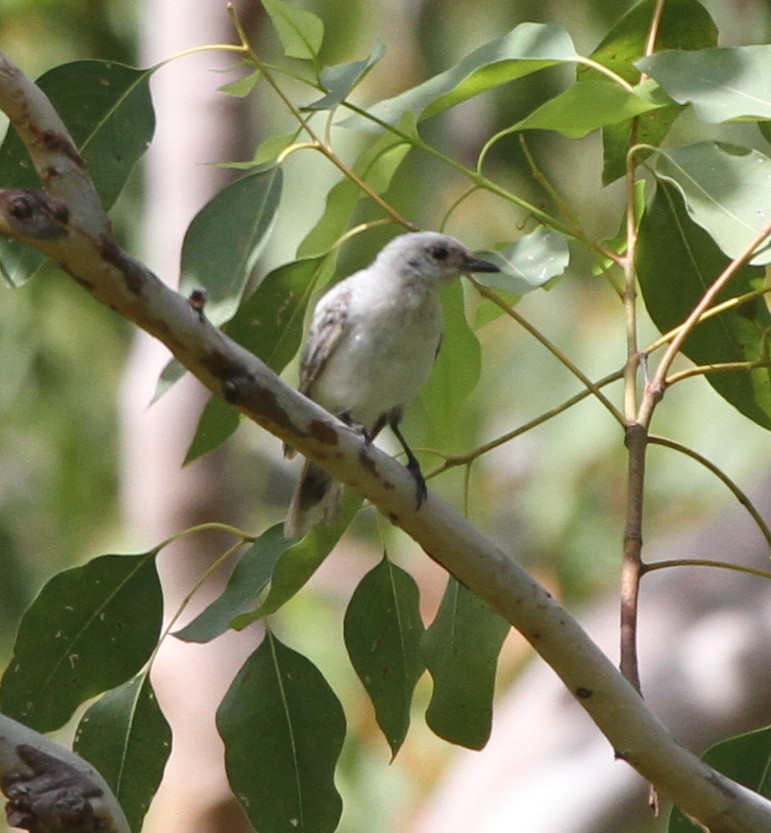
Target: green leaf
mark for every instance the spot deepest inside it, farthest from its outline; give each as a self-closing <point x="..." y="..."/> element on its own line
<point x="90" y="629"/>
<point x="377" y="166"/>
<point x="721" y="84"/>
<point x="109" y="113"/>
<point x="225" y="239"/>
<point x="269" y="324"/>
<point x="270" y="321"/>
<point x="726" y="192"/>
<point x="249" y="578"/>
<point x="592" y="105"/>
<point x="458" y="365"/>
<point x="217" y="424"/>
<point x="461" y="650"/>
<point x="745" y="759"/>
<point x="301" y="32"/>
<point x="382" y="630"/>
<point x="241" y="87"/>
<point x="526" y="49"/>
<point x="677" y="262"/>
<point x="339" y="81"/>
<point x="684" y="24"/>
<point x="125" y="736"/>
<point x="299" y="562"/>
<point x="170" y="375"/>
<point x="283" y="730"/>
<point x="272" y="148"/>
<point x="528" y="263"/>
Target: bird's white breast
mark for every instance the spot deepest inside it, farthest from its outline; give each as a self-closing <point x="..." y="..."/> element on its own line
<point x="388" y="350"/>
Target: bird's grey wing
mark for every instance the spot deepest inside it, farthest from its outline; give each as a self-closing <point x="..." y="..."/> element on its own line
<point x="330" y="323"/>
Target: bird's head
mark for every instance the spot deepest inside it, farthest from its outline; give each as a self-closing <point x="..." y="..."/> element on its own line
<point x="430" y="257"/>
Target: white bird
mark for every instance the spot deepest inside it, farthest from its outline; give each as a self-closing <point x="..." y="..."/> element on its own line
<point x="370" y="349"/>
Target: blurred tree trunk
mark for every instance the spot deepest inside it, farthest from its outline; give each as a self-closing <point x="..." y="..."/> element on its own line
<point x="196" y="125"/>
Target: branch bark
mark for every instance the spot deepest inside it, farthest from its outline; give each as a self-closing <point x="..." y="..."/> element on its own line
<point x="62" y="222"/>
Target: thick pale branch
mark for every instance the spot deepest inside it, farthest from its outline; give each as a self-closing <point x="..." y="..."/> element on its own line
<point x="50" y="788"/>
<point x="50" y="223"/>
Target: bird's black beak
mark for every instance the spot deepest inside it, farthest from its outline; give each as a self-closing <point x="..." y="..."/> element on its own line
<point x="474" y="264"/>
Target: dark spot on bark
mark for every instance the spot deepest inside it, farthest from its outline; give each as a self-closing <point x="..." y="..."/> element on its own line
<point x="227" y="369"/>
<point x="394" y="518"/>
<point x="583" y="693"/>
<point x="60" y="143"/>
<point x="35" y="214"/>
<point x="133" y="273"/>
<point x="323" y="432"/>
<point x="21" y="207"/>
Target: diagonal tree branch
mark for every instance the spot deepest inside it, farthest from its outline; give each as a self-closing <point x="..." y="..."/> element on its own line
<point x="63" y="222"/>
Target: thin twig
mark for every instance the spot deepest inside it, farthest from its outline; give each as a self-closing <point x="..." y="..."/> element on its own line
<point x="722" y="476"/>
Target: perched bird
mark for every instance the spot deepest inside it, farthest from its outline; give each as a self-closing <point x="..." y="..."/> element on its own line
<point x="370" y="349"/>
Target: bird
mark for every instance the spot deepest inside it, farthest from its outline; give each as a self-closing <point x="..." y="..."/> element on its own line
<point x="370" y="348"/>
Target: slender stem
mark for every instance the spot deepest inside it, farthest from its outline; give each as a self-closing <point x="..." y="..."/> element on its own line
<point x="481" y="181"/>
<point x="602" y="69"/>
<point x="316" y="142"/>
<point x="488" y="293"/>
<point x="637" y="431"/>
<point x="705" y="562"/>
<point x="729" y="304"/>
<point x="722" y="476"/>
<point x="463" y="459"/>
<point x="631" y="568"/>
<point x="656" y="387"/>
<point x="722" y="367"/>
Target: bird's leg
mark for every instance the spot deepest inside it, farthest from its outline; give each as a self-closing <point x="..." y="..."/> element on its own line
<point x="357" y="426"/>
<point x="413" y="466"/>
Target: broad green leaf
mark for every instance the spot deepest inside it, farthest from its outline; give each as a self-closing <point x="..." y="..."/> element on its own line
<point x="109" y="113"/>
<point x="301" y="32"/>
<point x="249" y="578"/>
<point x="460" y="649"/>
<point x="170" y="375"/>
<point x="283" y="730"/>
<point x="528" y="263"/>
<point x="376" y="166"/>
<point x="457" y="369"/>
<point x="339" y="81"/>
<point x="90" y="629"/>
<point x="725" y="190"/>
<point x="382" y="630"/>
<point x="217" y="424"/>
<point x="241" y="87"/>
<point x="269" y="323"/>
<point x="745" y="759"/>
<point x="721" y="84"/>
<point x="677" y="262"/>
<point x="272" y="148"/>
<point x="298" y="562"/>
<point x="225" y="239"/>
<point x="592" y="105"/>
<point x="684" y="24"/>
<point x="526" y="49"/>
<point x="125" y="736"/>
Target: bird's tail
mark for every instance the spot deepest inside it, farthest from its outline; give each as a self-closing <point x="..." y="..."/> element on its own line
<point x="315" y="498"/>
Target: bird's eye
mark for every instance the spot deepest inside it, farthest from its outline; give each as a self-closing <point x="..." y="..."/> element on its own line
<point x="440" y="253"/>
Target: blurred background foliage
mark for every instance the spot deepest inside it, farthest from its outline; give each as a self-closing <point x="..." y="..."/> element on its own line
<point x="553" y="498"/>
